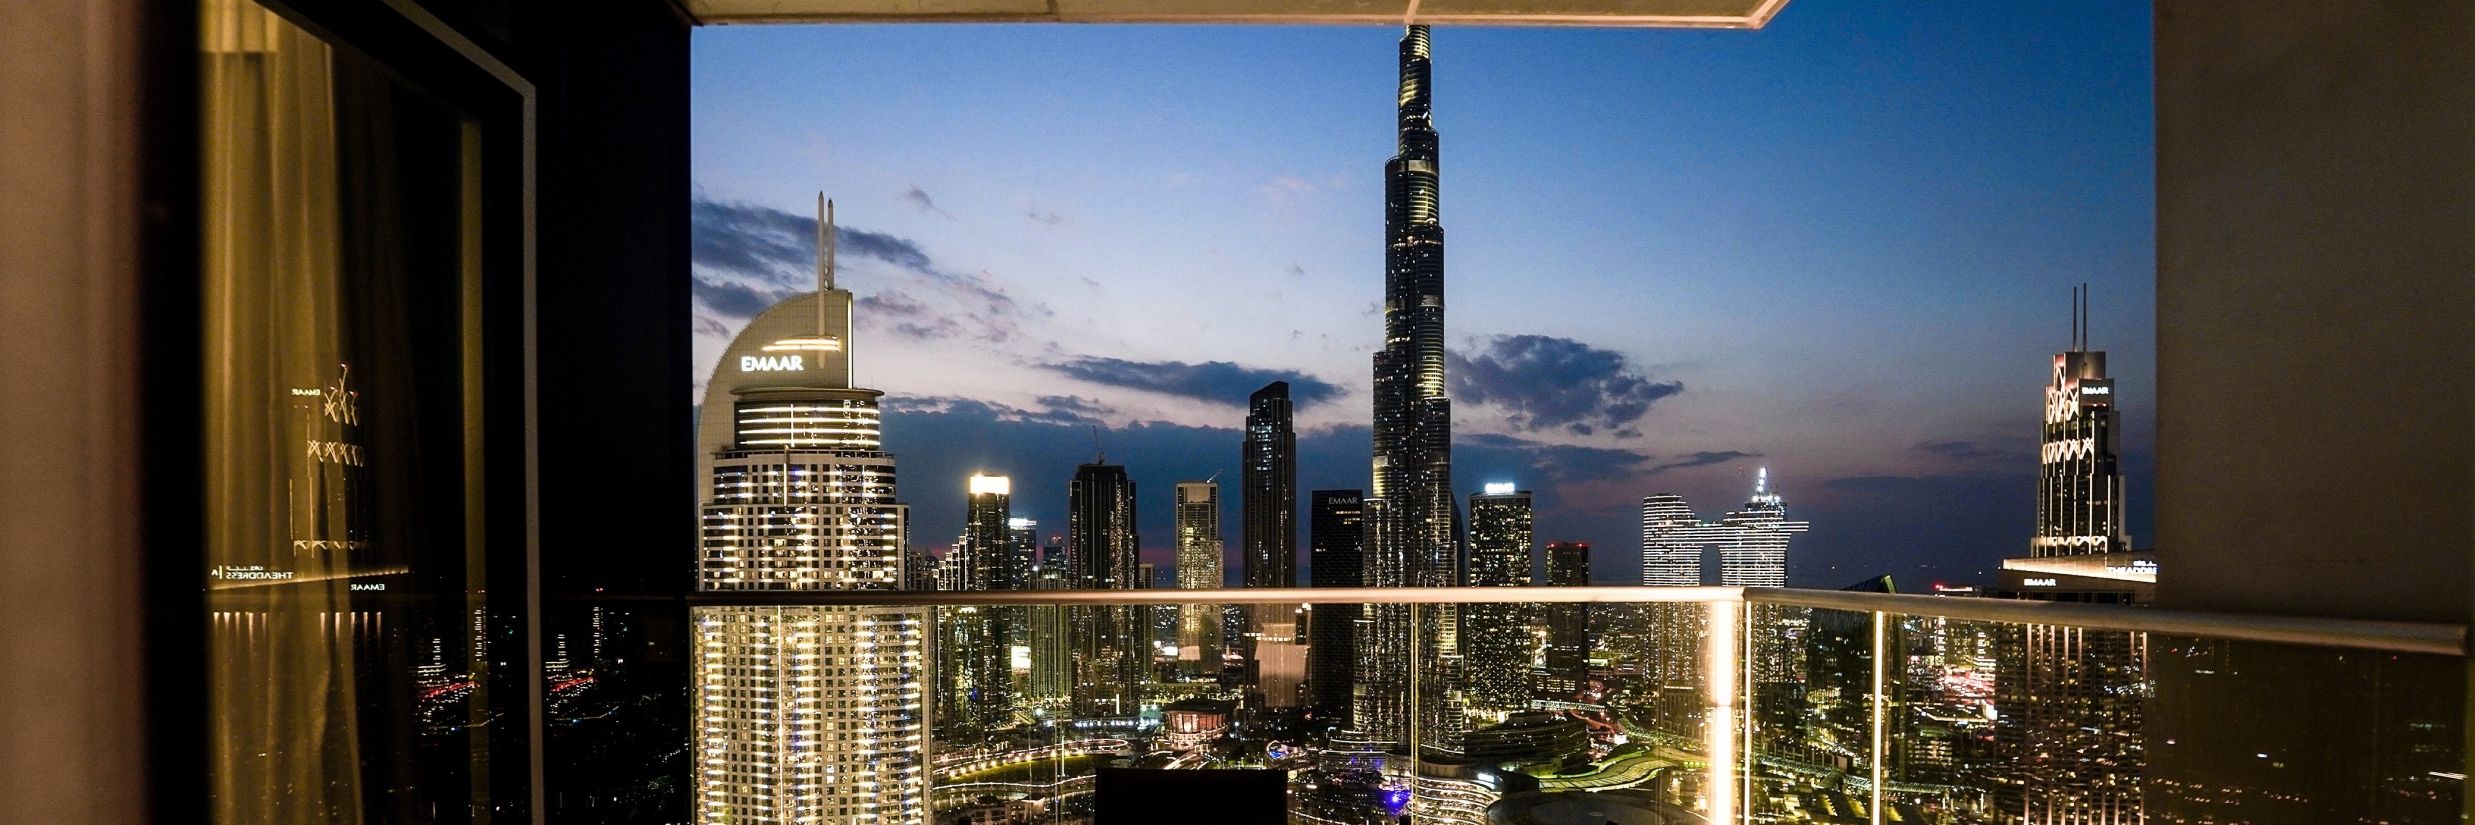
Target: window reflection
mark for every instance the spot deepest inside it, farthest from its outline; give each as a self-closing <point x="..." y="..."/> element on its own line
<point x="351" y="646"/>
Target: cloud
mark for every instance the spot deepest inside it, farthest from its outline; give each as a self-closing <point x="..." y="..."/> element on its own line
<point x="1076" y="404"/>
<point x="733" y="299"/>
<point x="1560" y="463"/>
<point x="1286" y="187"/>
<point x="897" y="312"/>
<point x="1701" y="459"/>
<point x="750" y="256"/>
<point x="1544" y="383"/>
<point x="1219" y="382"/>
<point x="918" y="198"/>
<point x="988" y="410"/>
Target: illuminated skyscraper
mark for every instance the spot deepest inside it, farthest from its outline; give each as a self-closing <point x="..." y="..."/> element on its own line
<point x="2080" y="492"/>
<point x="1335" y="536"/>
<point x="1409" y="511"/>
<point x="1199" y="551"/>
<point x="1496" y="645"/>
<point x="2070" y="701"/>
<point x="975" y="674"/>
<point x="803" y="714"/>
<point x="1269" y="494"/>
<point x="1567" y="661"/>
<point x="1112" y="644"/>
<point x="1753" y="542"/>
<point x="1671" y="542"/>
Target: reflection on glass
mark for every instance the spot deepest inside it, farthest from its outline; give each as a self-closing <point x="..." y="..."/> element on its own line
<point x="350" y="648"/>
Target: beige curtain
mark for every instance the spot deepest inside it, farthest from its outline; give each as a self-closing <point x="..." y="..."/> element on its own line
<point x="282" y="459"/>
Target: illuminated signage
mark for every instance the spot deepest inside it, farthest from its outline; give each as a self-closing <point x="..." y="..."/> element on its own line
<point x="2096" y="393"/>
<point x="2037" y="582"/>
<point x="2137" y="568"/>
<point x="772" y="363"/>
<point x="1500" y="488"/>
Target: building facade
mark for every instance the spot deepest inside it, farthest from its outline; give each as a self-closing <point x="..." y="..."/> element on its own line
<point x="1335" y="535"/>
<point x="2069" y="702"/>
<point x="1199" y="626"/>
<point x="1269" y="494"/>
<point x="974" y="664"/>
<point x="803" y="713"/>
<point x="1112" y="647"/>
<point x="1496" y="643"/>
<point x="1567" y="659"/>
<point x="1409" y="513"/>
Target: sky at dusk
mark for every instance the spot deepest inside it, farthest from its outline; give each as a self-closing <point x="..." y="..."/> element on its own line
<point x="1841" y="247"/>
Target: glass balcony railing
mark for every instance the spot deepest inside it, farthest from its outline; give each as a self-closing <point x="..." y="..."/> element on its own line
<point x="1571" y="705"/>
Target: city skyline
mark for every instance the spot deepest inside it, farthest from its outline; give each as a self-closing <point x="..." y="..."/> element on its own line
<point x="1806" y="352"/>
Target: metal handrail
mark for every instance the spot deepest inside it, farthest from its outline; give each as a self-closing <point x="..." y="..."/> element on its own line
<point x="2362" y="634"/>
<point x="1252" y="595"/>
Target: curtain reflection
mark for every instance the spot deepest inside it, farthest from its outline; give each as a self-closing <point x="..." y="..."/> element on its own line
<point x="283" y="457"/>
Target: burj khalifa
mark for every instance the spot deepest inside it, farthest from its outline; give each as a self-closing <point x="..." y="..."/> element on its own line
<point x="1410" y="520"/>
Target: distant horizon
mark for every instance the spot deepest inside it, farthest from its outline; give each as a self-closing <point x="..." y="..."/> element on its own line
<point x="1840" y="247"/>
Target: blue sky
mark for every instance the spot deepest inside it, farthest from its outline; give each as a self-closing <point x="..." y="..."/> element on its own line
<point x="1840" y="247"/>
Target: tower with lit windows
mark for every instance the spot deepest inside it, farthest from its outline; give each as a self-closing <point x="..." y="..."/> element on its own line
<point x="975" y="661"/>
<point x="1409" y="513"/>
<point x="1496" y="644"/>
<point x="803" y="713"/>
<point x="1198" y="568"/>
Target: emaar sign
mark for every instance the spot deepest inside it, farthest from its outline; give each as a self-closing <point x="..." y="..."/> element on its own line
<point x="772" y="363"/>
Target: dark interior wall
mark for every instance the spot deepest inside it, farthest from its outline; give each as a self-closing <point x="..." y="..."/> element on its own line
<point x="616" y="502"/>
<point x="2316" y="307"/>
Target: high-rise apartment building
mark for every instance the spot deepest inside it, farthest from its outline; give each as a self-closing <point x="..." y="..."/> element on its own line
<point x="1671" y="542"/>
<point x="1496" y="649"/>
<point x="803" y="713"/>
<point x="1269" y="493"/>
<point x="1753" y="547"/>
<point x="1567" y="659"/>
<point x="1199" y="626"/>
<point x="1112" y="646"/>
<point x="1335" y="537"/>
<point x="975" y="674"/>
<point x="1752" y="541"/>
<point x="1409" y="514"/>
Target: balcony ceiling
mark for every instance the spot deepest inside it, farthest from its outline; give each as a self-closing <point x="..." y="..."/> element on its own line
<point x="1718" y="14"/>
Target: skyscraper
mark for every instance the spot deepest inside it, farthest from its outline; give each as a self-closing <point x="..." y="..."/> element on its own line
<point x="2080" y="492"/>
<point x="1199" y="550"/>
<point x="1495" y="638"/>
<point x="1409" y="509"/>
<point x="1752" y="541"/>
<point x="1335" y="536"/>
<point x="802" y="498"/>
<point x="976" y="675"/>
<point x="2069" y="701"/>
<point x="1567" y="661"/>
<point x="1113" y="645"/>
<point x="1671" y="542"/>
<point x="1268" y="477"/>
<point x="1753" y="551"/>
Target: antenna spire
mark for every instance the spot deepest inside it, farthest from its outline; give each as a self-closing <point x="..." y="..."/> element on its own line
<point x="2085" y="316"/>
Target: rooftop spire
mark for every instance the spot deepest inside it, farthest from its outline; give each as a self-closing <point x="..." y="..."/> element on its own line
<point x="825" y="238"/>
